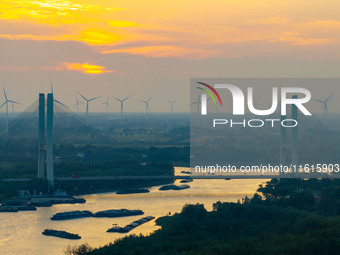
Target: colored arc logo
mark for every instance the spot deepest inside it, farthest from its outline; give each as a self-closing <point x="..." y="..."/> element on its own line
<point x="209" y="93"/>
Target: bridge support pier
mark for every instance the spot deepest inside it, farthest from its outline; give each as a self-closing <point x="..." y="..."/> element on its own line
<point x="295" y="137"/>
<point x="50" y="170"/>
<point x="42" y="147"/>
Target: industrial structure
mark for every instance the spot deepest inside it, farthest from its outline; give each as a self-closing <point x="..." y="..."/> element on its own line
<point x="46" y="139"/>
<point x="294" y="141"/>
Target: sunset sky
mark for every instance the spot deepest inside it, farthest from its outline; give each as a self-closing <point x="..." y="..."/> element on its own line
<point x="152" y="48"/>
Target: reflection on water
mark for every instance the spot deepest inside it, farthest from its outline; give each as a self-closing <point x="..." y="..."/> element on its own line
<point x="21" y="232"/>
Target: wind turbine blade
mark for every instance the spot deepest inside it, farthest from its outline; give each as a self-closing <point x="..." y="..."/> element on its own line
<point x="142" y="101"/>
<point x="193" y="103"/>
<point x="93" y="99"/>
<point x="318" y="100"/>
<point x="4" y="93"/>
<point x="149" y="99"/>
<point x="326" y="107"/>
<point x="117" y="99"/>
<point x="3" y="104"/>
<point x="126" y="98"/>
<point x="82" y="96"/>
<point x="329" y="97"/>
<point x="13" y="102"/>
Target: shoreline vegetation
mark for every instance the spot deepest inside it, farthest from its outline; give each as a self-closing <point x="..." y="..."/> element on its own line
<point x="35" y="186"/>
<point x="285" y="217"/>
<point x="76" y="188"/>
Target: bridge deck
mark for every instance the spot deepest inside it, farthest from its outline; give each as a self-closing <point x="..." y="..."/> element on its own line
<point x="160" y="177"/>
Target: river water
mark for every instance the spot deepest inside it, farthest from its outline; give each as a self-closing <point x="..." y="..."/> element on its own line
<point x="20" y="233"/>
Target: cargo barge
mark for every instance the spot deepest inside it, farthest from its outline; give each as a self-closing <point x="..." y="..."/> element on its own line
<point x="71" y="215"/>
<point x="61" y="234"/>
<point x="131" y="226"/>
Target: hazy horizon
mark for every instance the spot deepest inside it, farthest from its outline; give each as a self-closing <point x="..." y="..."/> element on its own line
<point x="103" y="48"/>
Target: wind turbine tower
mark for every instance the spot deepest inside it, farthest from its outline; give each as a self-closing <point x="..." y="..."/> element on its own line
<point x="198" y="102"/>
<point x="122" y="104"/>
<point x="87" y="106"/>
<point x="77" y="104"/>
<point x="172" y="105"/>
<point x="325" y="106"/>
<point x="6" y="103"/>
<point x="147" y="108"/>
<point x="107" y="104"/>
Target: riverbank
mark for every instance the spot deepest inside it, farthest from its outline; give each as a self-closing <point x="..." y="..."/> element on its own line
<point x="291" y="217"/>
<point x="235" y="229"/>
<point x="22" y="231"/>
<point x="75" y="187"/>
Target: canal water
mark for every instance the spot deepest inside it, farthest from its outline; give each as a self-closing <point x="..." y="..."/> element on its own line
<point x="20" y="233"/>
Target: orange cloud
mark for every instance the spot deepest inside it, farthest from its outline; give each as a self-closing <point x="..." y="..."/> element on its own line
<point x="296" y="39"/>
<point x="36" y="37"/>
<point x="98" y="37"/>
<point x="120" y="23"/>
<point x="159" y="51"/>
<point x="81" y="67"/>
<point x="277" y="20"/>
<point x="164" y="28"/>
<point x="303" y="41"/>
<point x="86" y="68"/>
<point x="54" y="12"/>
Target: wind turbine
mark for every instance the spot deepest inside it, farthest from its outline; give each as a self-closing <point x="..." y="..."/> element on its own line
<point x="107" y="104"/>
<point x="198" y="102"/>
<point x="172" y="105"/>
<point x="324" y="106"/>
<point x="87" y="106"/>
<point x="146" y="102"/>
<point x="6" y="103"/>
<point x="77" y="104"/>
<point x="121" y="104"/>
<point x="12" y="106"/>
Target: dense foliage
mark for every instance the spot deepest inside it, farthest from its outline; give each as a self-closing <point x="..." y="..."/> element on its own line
<point x="292" y="217"/>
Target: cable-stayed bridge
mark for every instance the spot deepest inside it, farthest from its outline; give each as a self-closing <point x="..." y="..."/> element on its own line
<point x="108" y="146"/>
<point x="103" y="146"/>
